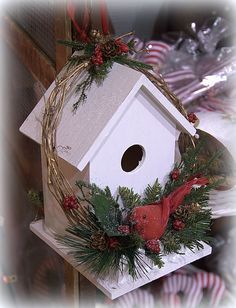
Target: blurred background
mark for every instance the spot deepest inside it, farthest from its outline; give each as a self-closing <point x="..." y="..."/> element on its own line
<point x="192" y="46"/>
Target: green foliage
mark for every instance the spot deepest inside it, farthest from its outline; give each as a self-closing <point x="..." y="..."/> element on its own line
<point x="100" y="72"/>
<point x="152" y="193"/>
<point x="81" y="89"/>
<point x="108" y="215"/>
<point x="131" y="44"/>
<point x="190" y="166"/>
<point x="156" y="258"/>
<point x="36" y="197"/>
<point x="137" y="65"/>
<point x="197" y="227"/>
<point x="129" y="197"/>
<point x="73" y="44"/>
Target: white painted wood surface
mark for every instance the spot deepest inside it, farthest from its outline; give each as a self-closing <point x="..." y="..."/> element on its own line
<point x="143" y="125"/>
<point x="125" y="284"/>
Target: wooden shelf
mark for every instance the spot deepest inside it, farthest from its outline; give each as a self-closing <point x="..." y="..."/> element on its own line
<point x="124" y="283"/>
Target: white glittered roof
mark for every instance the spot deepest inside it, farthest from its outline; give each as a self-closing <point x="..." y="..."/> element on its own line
<point x="94" y="119"/>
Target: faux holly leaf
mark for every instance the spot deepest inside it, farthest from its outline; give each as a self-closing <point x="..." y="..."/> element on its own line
<point x="108" y="215"/>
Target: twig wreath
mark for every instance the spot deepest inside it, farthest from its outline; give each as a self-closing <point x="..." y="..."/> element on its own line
<point x="106" y="232"/>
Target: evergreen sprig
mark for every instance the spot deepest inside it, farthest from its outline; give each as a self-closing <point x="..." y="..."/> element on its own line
<point x="137" y="65"/>
<point x="152" y="193"/>
<point x="129" y="197"/>
<point x="73" y="44"/>
<point x="82" y="88"/>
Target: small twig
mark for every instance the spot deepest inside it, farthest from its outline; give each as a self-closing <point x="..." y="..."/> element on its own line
<point x="124" y="35"/>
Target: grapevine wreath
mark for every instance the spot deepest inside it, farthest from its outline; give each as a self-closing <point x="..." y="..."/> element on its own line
<point x="106" y="232"/>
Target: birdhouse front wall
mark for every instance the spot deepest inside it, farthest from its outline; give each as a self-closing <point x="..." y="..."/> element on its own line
<point x="145" y="137"/>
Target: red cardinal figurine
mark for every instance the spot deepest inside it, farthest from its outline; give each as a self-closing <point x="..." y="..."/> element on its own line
<point x="150" y="220"/>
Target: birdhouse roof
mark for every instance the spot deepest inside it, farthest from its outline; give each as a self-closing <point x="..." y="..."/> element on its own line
<point x="80" y="134"/>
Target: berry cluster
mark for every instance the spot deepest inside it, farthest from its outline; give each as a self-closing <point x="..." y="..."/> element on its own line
<point x="70" y="203"/>
<point x="175" y="174"/>
<point x="192" y="117"/>
<point x="153" y="246"/>
<point x="178" y="224"/>
<point x="113" y="243"/>
<point x="124" y="229"/>
<point x="123" y="48"/>
<point x="109" y="49"/>
<point x="97" y="57"/>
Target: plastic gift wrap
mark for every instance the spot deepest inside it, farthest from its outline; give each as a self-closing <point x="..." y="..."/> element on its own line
<point x="196" y="65"/>
<point x="192" y="65"/>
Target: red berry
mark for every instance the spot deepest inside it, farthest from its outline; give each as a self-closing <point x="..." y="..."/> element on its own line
<point x="178" y="224"/>
<point x="153" y="246"/>
<point x="175" y="174"/>
<point x="113" y="243"/>
<point x="192" y="117"/>
<point x="124" y="229"/>
<point x="123" y="48"/>
<point x="70" y="202"/>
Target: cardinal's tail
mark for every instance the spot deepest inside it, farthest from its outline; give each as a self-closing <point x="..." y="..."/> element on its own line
<point x="177" y="196"/>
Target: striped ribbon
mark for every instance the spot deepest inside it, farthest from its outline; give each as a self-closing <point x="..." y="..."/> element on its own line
<point x="138" y="298"/>
<point x="157" y="53"/>
<point x="192" y="287"/>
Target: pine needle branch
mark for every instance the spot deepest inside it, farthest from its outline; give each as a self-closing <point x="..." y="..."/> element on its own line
<point x="72" y="44"/>
<point x="152" y="193"/>
<point x="129" y="197"/>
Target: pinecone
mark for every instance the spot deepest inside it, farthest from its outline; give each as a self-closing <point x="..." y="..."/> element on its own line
<point x="181" y="212"/>
<point x="96" y="36"/>
<point x="110" y="49"/>
<point x="194" y="208"/>
<point x="98" y="241"/>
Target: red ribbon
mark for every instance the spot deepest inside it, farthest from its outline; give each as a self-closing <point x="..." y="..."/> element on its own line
<point x="103" y="12"/>
<point x="86" y="19"/>
<point x="71" y="13"/>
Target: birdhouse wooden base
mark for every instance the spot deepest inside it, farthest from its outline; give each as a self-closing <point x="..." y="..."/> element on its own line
<point x="114" y="287"/>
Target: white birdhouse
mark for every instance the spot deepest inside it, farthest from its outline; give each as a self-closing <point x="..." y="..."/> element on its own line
<point x="123" y="135"/>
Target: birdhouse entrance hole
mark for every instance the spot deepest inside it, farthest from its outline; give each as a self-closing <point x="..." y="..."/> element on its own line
<point x="132" y="158"/>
